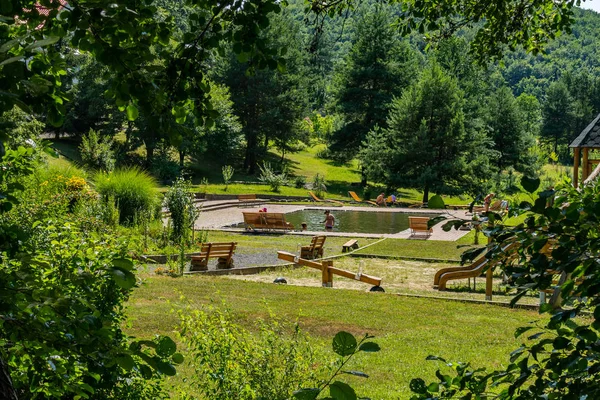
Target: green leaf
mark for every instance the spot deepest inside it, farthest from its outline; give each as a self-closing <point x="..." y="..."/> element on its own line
<point x="306" y="394"/>
<point x="530" y="184"/>
<point x="166" y="368"/>
<point x="44" y="42"/>
<point x="177" y="358"/>
<point x="341" y="391"/>
<point x="123" y="263"/>
<point x="433" y="387"/>
<point x="344" y="343"/>
<point x="356" y="373"/>
<point x="132" y="112"/>
<point x="126" y="362"/>
<point x="370" y="347"/>
<point x="125" y="279"/>
<point x="521" y="330"/>
<point x="561" y="343"/>
<point x="166" y="346"/>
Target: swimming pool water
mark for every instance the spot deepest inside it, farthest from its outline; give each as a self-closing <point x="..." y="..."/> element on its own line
<point x="352" y="221"/>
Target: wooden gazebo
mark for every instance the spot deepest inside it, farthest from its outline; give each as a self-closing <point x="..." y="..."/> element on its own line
<point x="588" y="139"/>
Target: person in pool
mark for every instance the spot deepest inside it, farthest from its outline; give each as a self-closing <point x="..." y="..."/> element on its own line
<point x="329" y="221"/>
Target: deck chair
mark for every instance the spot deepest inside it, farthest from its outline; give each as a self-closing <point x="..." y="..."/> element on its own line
<point x="359" y="200"/>
<point x="314" y="249"/>
<point x="315" y="198"/>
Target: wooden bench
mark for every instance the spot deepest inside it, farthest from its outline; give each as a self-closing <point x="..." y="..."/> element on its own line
<point x="419" y="225"/>
<point x="266" y="221"/>
<point x="222" y="251"/>
<point x="246" y="198"/>
<point x="314" y="249"/>
<point x="349" y="245"/>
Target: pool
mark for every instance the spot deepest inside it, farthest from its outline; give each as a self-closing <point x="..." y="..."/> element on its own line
<point x="353" y="221"/>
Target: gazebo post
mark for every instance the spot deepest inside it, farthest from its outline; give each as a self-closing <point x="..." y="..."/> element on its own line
<point x="585" y="167"/>
<point x="576" y="168"/>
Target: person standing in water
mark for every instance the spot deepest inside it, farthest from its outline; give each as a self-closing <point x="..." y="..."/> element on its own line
<point x="329" y="221"/>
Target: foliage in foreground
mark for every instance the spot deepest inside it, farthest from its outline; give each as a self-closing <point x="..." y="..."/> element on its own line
<point x="559" y="240"/>
<point x="62" y="291"/>
<point x="232" y="363"/>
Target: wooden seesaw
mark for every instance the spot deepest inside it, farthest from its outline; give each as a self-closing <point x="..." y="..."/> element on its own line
<point x="328" y="270"/>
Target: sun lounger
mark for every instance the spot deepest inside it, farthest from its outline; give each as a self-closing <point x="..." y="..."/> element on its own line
<point x="359" y="200"/>
<point x="315" y="198"/>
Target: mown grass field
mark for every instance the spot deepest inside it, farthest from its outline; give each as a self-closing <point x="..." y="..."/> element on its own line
<point x="407" y="329"/>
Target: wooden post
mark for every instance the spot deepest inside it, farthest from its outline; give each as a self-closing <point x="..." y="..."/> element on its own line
<point x="488" y="280"/>
<point x="488" y="283"/>
<point x="584" y="165"/>
<point x="576" y="168"/>
<point x="327" y="276"/>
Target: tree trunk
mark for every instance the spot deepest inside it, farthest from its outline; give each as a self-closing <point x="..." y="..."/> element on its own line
<point x="149" y="155"/>
<point x="7" y="390"/>
<point x="181" y="158"/>
<point x="250" y="159"/>
<point x="426" y="194"/>
<point x="363" y="177"/>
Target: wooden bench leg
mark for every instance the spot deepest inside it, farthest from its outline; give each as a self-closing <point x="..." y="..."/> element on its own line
<point x="224" y="263"/>
<point x="199" y="265"/>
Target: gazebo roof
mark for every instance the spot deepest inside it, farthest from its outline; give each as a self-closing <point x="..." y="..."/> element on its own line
<point x="590" y="136"/>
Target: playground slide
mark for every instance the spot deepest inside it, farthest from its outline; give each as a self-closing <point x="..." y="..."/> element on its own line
<point x="447" y="274"/>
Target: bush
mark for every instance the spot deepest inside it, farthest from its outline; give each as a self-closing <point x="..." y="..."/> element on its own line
<point x="268" y="176"/>
<point x="299" y="181"/>
<point x="96" y="152"/>
<point x="232" y="363"/>
<point x="179" y="200"/>
<point x="133" y="190"/>
<point x="164" y="168"/>
<point x="318" y="185"/>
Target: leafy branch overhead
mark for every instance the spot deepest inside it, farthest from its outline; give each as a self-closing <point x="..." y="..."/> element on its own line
<point x="155" y="69"/>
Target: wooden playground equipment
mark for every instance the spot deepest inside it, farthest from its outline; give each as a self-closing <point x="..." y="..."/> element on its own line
<point x="482" y="264"/>
<point x="328" y="270"/>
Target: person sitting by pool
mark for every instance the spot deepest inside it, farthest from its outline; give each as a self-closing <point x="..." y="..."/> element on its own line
<point x="304" y="226"/>
<point x="329" y="221"/>
<point x="380" y="199"/>
<point x="393" y="198"/>
<point x="487" y="201"/>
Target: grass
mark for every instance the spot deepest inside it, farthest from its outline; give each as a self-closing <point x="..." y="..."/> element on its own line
<point x="421" y="248"/>
<point x="260" y="243"/>
<point x="407" y="329"/>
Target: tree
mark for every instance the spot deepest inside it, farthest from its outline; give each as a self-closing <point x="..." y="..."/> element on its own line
<point x="377" y="68"/>
<point x="558" y="113"/>
<point x="559" y="359"/>
<point x="425" y="145"/>
<point x="269" y="104"/>
<point x="505" y="125"/>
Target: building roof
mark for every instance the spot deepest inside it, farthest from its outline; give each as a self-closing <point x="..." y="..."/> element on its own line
<point x="590" y="136"/>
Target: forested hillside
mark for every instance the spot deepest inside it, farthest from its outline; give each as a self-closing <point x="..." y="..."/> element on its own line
<point x="354" y="83"/>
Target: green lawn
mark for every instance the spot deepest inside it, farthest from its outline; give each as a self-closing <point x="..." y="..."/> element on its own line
<point x="407" y="329"/>
<point x="433" y="249"/>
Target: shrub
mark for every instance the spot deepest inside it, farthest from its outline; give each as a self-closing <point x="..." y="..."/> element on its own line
<point x="232" y="363"/>
<point x="180" y="202"/>
<point x="268" y="176"/>
<point x="133" y="190"/>
<point x="96" y="152"/>
<point x="164" y="168"/>
<point x="318" y="184"/>
<point x="227" y="172"/>
<point x="299" y="181"/>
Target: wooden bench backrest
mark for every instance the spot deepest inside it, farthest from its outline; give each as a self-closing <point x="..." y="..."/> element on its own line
<point x="252" y="217"/>
<point x="246" y="197"/>
<point x="217" y="249"/>
<point x="317" y="242"/>
<point x="418" y="223"/>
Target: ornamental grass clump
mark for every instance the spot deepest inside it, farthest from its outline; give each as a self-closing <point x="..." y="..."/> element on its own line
<point x="133" y="190"/>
